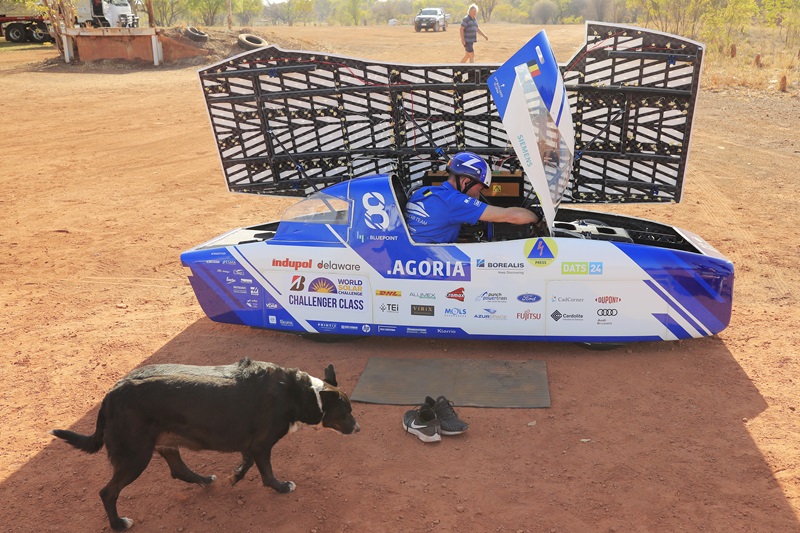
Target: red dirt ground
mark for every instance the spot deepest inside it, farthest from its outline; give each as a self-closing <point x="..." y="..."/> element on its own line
<point x="109" y="172"/>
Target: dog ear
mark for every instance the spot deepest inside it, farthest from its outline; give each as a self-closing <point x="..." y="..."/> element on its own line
<point x="330" y="376"/>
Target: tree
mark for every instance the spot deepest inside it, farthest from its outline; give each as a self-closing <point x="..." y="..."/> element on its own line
<point x="208" y="10"/>
<point x="246" y="11"/>
<point x="681" y="17"/>
<point x="167" y="12"/>
<point x="485" y="8"/>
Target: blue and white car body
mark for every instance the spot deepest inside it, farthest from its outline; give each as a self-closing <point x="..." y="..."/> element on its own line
<point x="341" y="261"/>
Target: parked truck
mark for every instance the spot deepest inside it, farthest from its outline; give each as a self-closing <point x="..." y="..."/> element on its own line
<point x="105" y="13"/>
<point x="21" y="28"/>
<point x="431" y="18"/>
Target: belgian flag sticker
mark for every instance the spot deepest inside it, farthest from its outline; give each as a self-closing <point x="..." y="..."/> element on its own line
<point x="534" y="69"/>
<point x="541" y="252"/>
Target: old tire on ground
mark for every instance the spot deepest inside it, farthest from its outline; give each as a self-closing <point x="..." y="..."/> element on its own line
<point x="251" y="42"/>
<point x="16" y="33"/>
<point x="196" y="35"/>
<point x="37" y="34"/>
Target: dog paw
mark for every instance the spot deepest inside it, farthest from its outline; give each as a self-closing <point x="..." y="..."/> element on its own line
<point x="286" y="487"/>
<point x="123" y="524"/>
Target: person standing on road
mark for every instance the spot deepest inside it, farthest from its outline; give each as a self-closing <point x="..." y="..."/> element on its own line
<point x="469" y="34"/>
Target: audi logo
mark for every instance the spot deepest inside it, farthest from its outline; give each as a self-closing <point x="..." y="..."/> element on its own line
<point x="606" y="312"/>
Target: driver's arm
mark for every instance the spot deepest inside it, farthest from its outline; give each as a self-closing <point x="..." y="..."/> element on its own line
<point x="512" y="215"/>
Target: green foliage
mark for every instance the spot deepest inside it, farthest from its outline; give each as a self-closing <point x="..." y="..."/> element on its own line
<point x="723" y="22"/>
<point x="508" y="13"/>
<point x="681" y="17"/>
<point x="247" y="11"/>
<point x="168" y="12"/>
<point x="208" y="11"/>
<point x="784" y="15"/>
<point x="19" y="7"/>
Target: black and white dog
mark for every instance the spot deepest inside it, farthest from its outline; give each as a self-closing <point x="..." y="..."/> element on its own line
<point x="246" y="407"/>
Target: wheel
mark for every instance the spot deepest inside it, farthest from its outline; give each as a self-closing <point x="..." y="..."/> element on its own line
<point x="196" y="35"/>
<point x="37" y="34"/>
<point x="251" y="42"/>
<point x="444" y="28"/>
<point x="16" y="33"/>
<point x="417" y="29"/>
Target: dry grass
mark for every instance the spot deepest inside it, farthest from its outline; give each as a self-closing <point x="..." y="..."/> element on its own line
<point x="776" y="59"/>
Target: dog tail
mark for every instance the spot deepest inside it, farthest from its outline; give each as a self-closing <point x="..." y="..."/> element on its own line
<point x="86" y="443"/>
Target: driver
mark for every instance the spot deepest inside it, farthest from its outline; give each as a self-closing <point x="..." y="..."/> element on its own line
<point x="435" y="214"/>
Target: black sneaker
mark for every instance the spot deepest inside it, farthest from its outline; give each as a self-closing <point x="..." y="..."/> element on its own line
<point x="423" y="423"/>
<point x="449" y="422"/>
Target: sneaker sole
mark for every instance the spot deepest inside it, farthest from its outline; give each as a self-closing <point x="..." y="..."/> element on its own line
<point x="443" y="432"/>
<point x="422" y="436"/>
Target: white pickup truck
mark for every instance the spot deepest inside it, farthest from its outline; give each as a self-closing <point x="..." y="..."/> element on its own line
<point x="431" y="18"/>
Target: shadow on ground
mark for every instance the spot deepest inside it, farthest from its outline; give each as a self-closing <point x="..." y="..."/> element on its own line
<point x="650" y="437"/>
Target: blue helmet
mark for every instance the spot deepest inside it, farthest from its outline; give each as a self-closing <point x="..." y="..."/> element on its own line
<point x="471" y="165"/>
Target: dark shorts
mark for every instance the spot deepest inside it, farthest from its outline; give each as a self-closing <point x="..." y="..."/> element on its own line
<point x="468" y="47"/>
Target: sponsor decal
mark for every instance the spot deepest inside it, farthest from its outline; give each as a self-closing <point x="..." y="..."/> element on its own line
<point x="298" y="283"/>
<point x="253" y="304"/>
<point x="326" y="326"/>
<point x="389" y="308"/>
<point x="422" y="310"/>
<point x="529" y="298"/>
<point x="541" y="252"/>
<point x="287" y="323"/>
<point x="246" y="280"/>
<point x="457" y="294"/>
<point x="582" y="268"/>
<point x="490" y="314"/>
<point x="565" y="299"/>
<point x="387" y="329"/>
<point x="446" y="331"/>
<point x="348" y="327"/>
<point x="455" y="312"/>
<point x="417" y="331"/>
<point x="606" y="312"/>
<point x="292" y="263"/>
<point x="223" y="271"/>
<point x="558" y="315"/>
<point x="427" y="268"/>
<point x="608" y="299"/>
<point x="498" y="265"/>
<point x="326" y="302"/>
<point x="239" y="272"/>
<point x="229" y="280"/>
<point x="383" y="237"/>
<point x="212" y="262"/>
<point x="375" y="215"/>
<point x="253" y="291"/>
<point x="423" y="295"/>
<point x="271" y="305"/>
<point x="219" y="253"/>
<point x="323" y="285"/>
<point x="332" y="265"/>
<point x="366" y="328"/>
<point x="273" y="320"/>
<point x="495" y="297"/>
<point x="239" y="289"/>
<point x="349" y="286"/>
<point x="529" y="315"/>
<point x="381" y="292"/>
<point x="229" y="262"/>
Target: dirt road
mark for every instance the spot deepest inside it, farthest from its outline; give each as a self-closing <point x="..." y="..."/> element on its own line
<point x="101" y="197"/>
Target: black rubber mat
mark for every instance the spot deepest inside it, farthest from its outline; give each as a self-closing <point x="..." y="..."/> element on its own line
<point x="466" y="382"/>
